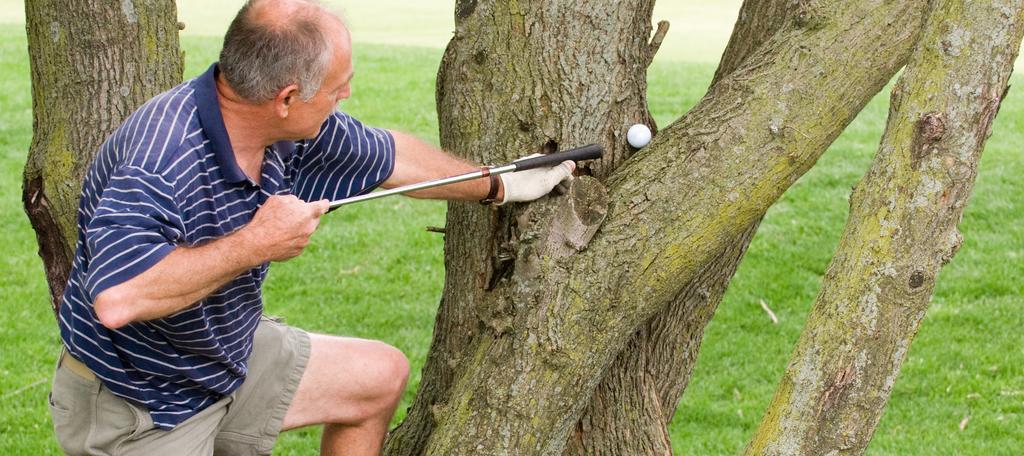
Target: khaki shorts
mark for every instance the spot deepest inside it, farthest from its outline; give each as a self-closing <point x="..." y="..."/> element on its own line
<point x="89" y="419"/>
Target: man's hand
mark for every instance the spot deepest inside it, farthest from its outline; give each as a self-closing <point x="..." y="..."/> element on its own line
<point x="282" y="227"/>
<point x="534" y="183"/>
<point x="279" y="230"/>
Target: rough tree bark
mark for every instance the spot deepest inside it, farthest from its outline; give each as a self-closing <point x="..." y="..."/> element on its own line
<point x="499" y="98"/>
<point x="901" y="230"/>
<point x="93" y="63"/>
<point x="540" y="300"/>
<point x="758" y="20"/>
<point x="556" y="315"/>
<point x="631" y="408"/>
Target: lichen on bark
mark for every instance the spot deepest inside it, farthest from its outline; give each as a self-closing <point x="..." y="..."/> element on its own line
<point x="673" y="208"/>
<point x="92" y="64"/>
<point x="901" y="229"/>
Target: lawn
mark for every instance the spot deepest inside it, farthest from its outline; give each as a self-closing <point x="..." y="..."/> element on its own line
<point x="374" y="271"/>
<point x="698" y="34"/>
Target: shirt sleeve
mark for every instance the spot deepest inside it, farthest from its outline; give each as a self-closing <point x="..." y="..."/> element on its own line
<point x="346" y="159"/>
<point x="135" y="225"/>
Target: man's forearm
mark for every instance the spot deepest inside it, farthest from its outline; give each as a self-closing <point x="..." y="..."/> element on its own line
<point x="416" y="161"/>
<point x="179" y="280"/>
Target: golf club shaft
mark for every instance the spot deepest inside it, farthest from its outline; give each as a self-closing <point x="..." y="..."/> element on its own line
<point x="424" y="185"/>
<point x="588" y="152"/>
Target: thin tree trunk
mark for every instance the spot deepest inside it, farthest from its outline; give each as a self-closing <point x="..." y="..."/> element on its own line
<point x="630" y="410"/>
<point x="92" y="64"/>
<point x="901" y="230"/>
<point x="535" y="332"/>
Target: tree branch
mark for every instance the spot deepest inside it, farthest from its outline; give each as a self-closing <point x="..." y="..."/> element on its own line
<point x="659" y="36"/>
<point x="900" y="231"/>
<point x="672" y="208"/>
<point x="757" y="22"/>
<point x="665" y="349"/>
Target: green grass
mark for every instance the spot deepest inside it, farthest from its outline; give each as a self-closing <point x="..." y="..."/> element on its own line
<point x="698" y="33"/>
<point x="967" y="358"/>
<point x="373" y="271"/>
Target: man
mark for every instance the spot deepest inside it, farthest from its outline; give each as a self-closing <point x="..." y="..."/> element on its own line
<point x="182" y="211"/>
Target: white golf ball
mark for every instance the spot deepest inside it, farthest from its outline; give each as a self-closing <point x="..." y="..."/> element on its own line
<point x="638" y="135"/>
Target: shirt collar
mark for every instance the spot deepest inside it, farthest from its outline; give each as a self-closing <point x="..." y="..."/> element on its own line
<point x="284" y="149"/>
<point x="212" y="121"/>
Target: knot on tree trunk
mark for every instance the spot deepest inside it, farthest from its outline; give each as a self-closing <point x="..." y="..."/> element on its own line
<point x="53" y="248"/>
<point x="930" y="130"/>
<point x="809" y="15"/>
<point x="542" y="236"/>
<point x="560" y="227"/>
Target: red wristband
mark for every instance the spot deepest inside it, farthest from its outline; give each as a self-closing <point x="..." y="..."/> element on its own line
<point x="493" y="192"/>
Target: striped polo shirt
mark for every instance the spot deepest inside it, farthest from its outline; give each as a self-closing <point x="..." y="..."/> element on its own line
<point x="167" y="177"/>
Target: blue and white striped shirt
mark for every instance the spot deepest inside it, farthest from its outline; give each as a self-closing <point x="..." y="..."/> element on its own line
<point x="168" y="177"/>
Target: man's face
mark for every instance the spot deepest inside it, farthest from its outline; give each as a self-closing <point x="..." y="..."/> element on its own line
<point x="306" y="117"/>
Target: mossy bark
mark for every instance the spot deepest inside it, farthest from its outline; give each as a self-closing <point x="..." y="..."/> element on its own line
<point x="92" y="64"/>
<point x="631" y="408"/>
<point x="540" y="299"/>
<point x="504" y="92"/>
<point x="901" y="230"/>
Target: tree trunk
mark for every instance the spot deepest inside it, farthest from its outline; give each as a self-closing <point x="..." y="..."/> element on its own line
<point x="637" y="398"/>
<point x="540" y="299"/>
<point x="92" y="64"/>
<point x="901" y="230"/>
<point x="502" y="93"/>
<point x="585" y="311"/>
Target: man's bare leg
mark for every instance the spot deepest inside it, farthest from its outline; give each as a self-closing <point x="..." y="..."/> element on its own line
<point x="352" y="386"/>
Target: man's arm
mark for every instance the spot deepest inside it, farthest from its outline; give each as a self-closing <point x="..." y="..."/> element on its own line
<point x="279" y="230"/>
<point x="417" y="161"/>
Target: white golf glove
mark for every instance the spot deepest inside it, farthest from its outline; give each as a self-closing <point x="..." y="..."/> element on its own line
<point x="534" y="183"/>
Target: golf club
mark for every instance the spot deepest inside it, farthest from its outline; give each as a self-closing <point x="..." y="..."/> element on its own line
<point x="588" y="152"/>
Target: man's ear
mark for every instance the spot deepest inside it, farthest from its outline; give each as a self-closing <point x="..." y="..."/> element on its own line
<point x="285" y="99"/>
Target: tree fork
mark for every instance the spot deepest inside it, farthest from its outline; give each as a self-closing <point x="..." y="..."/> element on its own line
<point x="664" y="351"/>
<point x="85" y="80"/>
<point x="901" y="230"/>
<point x="552" y="327"/>
<point x="502" y="94"/>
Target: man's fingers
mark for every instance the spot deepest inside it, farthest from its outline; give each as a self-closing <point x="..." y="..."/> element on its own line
<point x="562" y="187"/>
<point x="570" y="165"/>
<point x="320" y="207"/>
<point x="562" y="172"/>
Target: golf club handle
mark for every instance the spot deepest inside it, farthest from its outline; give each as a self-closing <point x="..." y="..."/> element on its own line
<point x="588" y="152"/>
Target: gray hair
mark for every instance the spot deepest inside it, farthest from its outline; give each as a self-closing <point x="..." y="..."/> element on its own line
<point x="259" y="59"/>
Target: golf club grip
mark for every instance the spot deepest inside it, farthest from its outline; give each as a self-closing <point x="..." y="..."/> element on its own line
<point x="588" y="152"/>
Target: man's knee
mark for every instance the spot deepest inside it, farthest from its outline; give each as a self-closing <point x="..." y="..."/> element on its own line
<point x="393" y="372"/>
<point x="349" y="382"/>
<point x="383" y="371"/>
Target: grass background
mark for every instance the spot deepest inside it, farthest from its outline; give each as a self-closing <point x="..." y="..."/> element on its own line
<point x="373" y="271"/>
